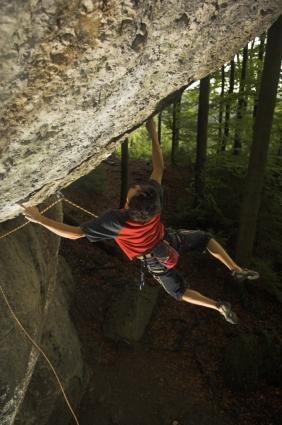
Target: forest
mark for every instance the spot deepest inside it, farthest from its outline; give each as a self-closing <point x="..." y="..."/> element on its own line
<point x="221" y="139"/>
<point x="87" y="336"/>
<point x="217" y="128"/>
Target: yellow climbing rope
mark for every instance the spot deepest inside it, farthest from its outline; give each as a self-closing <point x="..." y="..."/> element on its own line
<point x="34" y="343"/>
<point x="62" y="197"/>
<point x="79" y="207"/>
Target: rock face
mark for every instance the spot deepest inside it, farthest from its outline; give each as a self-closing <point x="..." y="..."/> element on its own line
<point x="78" y="75"/>
<point x="130" y="313"/>
<point x="37" y="289"/>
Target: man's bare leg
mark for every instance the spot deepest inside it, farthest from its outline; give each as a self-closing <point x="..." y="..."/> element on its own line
<point x="195" y="297"/>
<point x="222" y="307"/>
<point x="218" y="252"/>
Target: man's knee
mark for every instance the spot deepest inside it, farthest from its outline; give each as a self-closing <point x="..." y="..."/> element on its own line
<point x="178" y="295"/>
<point x="194" y="240"/>
<point x="173" y="283"/>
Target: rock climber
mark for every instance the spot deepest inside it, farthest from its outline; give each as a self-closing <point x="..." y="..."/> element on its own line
<point x="140" y="234"/>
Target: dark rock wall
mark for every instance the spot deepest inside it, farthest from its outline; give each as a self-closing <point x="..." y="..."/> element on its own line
<point x="36" y="289"/>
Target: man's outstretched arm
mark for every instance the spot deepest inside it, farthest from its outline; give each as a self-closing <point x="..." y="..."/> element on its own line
<point x="157" y="156"/>
<point x="60" y="229"/>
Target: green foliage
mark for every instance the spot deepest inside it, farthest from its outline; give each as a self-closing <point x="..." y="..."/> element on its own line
<point x="225" y="172"/>
<point x="140" y="146"/>
<point x="92" y="183"/>
<point x="219" y="209"/>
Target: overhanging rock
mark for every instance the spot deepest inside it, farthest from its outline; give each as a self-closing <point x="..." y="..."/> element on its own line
<point x="78" y="75"/>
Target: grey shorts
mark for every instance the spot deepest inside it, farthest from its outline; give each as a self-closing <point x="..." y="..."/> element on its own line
<point x="184" y="241"/>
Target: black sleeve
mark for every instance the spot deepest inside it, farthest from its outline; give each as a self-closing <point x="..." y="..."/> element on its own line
<point x="107" y="226"/>
<point x="158" y="188"/>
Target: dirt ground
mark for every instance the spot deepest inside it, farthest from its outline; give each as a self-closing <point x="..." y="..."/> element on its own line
<point x="173" y="375"/>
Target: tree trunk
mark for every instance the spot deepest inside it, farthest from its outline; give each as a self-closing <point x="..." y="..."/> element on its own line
<point x="242" y="103"/>
<point x="228" y="106"/>
<point x="160" y="128"/>
<point x="260" y="60"/>
<point x="252" y="46"/>
<point x="260" y="142"/>
<point x="175" y="127"/>
<point x="279" y="153"/>
<point x="238" y="61"/>
<point x="202" y="136"/>
<point x="221" y="101"/>
<point x="124" y="173"/>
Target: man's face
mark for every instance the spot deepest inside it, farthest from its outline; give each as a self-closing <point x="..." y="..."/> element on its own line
<point x="132" y="192"/>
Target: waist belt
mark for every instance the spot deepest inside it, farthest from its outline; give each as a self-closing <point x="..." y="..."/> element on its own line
<point x="164" y="253"/>
<point x="145" y="256"/>
<point x="150" y="254"/>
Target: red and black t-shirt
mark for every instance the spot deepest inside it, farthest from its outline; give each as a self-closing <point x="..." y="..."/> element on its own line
<point x="133" y="237"/>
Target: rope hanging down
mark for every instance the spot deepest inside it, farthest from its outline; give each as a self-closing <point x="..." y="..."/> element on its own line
<point x="61" y="198"/>
<point x="34" y="343"/>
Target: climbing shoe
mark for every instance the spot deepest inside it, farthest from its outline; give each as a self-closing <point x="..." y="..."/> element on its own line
<point x="227" y="313"/>
<point x="245" y="274"/>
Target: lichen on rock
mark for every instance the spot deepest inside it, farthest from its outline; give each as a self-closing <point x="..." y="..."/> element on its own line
<point x="77" y="76"/>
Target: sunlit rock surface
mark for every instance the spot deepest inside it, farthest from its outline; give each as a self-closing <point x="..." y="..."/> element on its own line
<point x="76" y="76"/>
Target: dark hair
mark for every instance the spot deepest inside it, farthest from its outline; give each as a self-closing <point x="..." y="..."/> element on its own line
<point x="145" y="204"/>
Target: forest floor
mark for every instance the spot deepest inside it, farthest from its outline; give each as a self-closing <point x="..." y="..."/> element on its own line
<point x="174" y="374"/>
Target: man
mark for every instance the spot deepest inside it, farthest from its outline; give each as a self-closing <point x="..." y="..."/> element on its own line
<point x="138" y="231"/>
